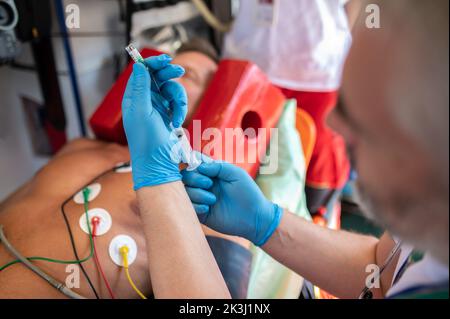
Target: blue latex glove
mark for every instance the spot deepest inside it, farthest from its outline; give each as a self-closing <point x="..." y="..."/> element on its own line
<point x="227" y="200"/>
<point x="147" y="117"/>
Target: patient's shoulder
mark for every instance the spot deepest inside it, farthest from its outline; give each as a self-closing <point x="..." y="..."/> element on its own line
<point x="73" y="167"/>
<point x="76" y="165"/>
<point x="83" y="144"/>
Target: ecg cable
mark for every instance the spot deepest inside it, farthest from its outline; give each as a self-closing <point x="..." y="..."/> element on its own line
<point x="124" y="253"/>
<point x="37" y="270"/>
<point x="95" y="221"/>
<point x="78" y="261"/>
<point x="58" y="261"/>
<point x="69" y="229"/>
<point x="52" y="281"/>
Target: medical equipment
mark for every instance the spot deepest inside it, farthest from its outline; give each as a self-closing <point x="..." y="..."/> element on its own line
<point x="137" y="58"/>
<point x="239" y="96"/>
<point x="94" y="190"/>
<point x="78" y="260"/>
<point x="187" y="155"/>
<point x="9" y="46"/>
<point x="124" y="251"/>
<point x="69" y="230"/>
<point x="160" y="103"/>
<point x="247" y="99"/>
<point x="95" y="221"/>
<point x="96" y="230"/>
<point x="106" y="122"/>
<point x="134" y="54"/>
<point x="52" y="281"/>
<point x="123" y="168"/>
<point x="8" y="15"/>
<point x="103" y="218"/>
<point x="114" y="249"/>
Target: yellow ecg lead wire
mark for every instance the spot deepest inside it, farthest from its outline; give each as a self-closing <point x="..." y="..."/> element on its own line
<point x="124" y="252"/>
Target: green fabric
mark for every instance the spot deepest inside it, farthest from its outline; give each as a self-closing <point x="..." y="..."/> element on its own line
<point x="425" y="294"/>
<point x="270" y="279"/>
<point x="416" y="256"/>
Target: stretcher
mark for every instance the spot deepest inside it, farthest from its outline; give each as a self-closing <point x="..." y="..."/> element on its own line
<point x="238" y="96"/>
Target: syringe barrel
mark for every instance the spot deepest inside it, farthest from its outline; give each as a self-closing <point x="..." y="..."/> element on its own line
<point x="160" y="103"/>
<point x="187" y="154"/>
<point x="134" y="54"/>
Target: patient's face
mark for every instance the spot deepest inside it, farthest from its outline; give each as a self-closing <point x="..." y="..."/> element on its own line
<point x="199" y="71"/>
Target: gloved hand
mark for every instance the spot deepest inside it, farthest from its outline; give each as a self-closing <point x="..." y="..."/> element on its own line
<point x="227" y="200"/>
<point x="150" y="140"/>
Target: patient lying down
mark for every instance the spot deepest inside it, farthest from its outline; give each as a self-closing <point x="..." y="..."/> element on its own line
<point x="34" y="223"/>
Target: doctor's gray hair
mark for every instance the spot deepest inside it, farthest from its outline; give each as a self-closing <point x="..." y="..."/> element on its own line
<point x="418" y="53"/>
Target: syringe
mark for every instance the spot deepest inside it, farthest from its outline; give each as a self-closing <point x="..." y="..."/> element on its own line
<point x="160" y="103"/>
<point x="187" y="153"/>
<point x="137" y="58"/>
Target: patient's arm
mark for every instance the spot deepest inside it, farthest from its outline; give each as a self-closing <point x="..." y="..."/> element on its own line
<point x="180" y="261"/>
